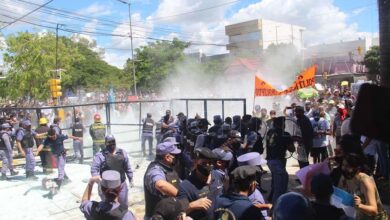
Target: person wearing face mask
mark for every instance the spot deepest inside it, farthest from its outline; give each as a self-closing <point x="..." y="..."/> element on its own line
<point x="56" y="143"/>
<point x="357" y="182"/>
<point x="196" y="188"/>
<point x="219" y="175"/>
<point x="165" y="121"/>
<point x="160" y="179"/>
<point x="236" y="204"/>
<point x="113" y="158"/>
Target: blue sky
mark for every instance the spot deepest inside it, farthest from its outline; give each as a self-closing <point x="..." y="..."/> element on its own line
<point x="199" y="21"/>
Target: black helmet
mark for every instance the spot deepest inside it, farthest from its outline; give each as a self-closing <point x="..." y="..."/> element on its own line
<point x="110" y="139"/>
<point x="292" y="206"/>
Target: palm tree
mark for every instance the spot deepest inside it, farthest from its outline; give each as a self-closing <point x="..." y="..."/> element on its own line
<point x="384" y="37"/>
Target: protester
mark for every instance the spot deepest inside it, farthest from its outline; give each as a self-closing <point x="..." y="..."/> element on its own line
<point x="355" y="180"/>
<point x="109" y="207"/>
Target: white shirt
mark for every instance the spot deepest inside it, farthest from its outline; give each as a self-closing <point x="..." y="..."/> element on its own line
<point x="345" y="127"/>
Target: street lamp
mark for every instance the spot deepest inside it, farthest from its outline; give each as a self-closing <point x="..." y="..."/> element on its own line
<point x="131" y="42"/>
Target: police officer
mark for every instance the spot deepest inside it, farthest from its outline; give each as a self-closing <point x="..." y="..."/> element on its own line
<point x="113" y="158"/>
<point x="25" y="142"/>
<point x="78" y="131"/>
<point x="147" y="133"/>
<point x="219" y="175"/>
<point x="278" y="142"/>
<point x="291" y="206"/>
<point x="56" y="125"/>
<point x="166" y="121"/>
<point x="157" y="131"/>
<point x="45" y="153"/>
<point x="98" y="132"/>
<point x="160" y="179"/>
<point x="215" y="131"/>
<point x="196" y="188"/>
<point x="56" y="143"/>
<point x="5" y="147"/>
<point x="236" y="204"/>
<point x="257" y="199"/>
<point x="7" y="131"/>
<point x="109" y="208"/>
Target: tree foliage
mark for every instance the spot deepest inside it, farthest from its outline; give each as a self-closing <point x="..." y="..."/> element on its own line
<point x="154" y="62"/>
<point x="30" y="62"/>
<point x="372" y="60"/>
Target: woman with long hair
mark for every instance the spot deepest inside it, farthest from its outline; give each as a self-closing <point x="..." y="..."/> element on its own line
<point x="356" y="180"/>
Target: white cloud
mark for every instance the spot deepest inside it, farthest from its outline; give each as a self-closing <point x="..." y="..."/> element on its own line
<point x="96" y="9"/>
<point x="358" y="11"/>
<point x="141" y="31"/>
<point x="324" y="21"/>
<point x="116" y="59"/>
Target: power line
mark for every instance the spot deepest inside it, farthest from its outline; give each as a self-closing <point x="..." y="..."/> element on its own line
<point x="18" y="19"/>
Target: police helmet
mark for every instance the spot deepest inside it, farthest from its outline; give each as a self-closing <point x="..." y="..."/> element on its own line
<point x="110" y="139"/>
<point x="43" y="121"/>
<point x="97" y="117"/>
<point x="292" y="206"/>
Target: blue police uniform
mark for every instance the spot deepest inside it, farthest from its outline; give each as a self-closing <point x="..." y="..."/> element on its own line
<point x="239" y="205"/>
<point x="5" y="147"/>
<point x="193" y="189"/>
<point x="58" y="151"/>
<point x="26" y="139"/>
<point x="104" y="160"/>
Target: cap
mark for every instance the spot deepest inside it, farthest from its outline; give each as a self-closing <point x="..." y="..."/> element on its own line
<point x="43" y="121"/>
<point x="171" y="139"/>
<point x="245" y="172"/>
<point x="27" y="123"/>
<point x="110" y="138"/>
<point x="251" y="159"/>
<point x="111" y="179"/>
<point x="170" y="208"/>
<point x="168" y="111"/>
<point x="5" y="126"/>
<point x="97" y="117"/>
<point x="180" y="114"/>
<point x="331" y="102"/>
<point x="234" y="134"/>
<point x="340" y="105"/>
<point x="222" y="154"/>
<point x="204" y="153"/>
<point x="167" y="148"/>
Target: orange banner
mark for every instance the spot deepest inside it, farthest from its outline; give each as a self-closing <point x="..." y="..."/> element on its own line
<point x="305" y="79"/>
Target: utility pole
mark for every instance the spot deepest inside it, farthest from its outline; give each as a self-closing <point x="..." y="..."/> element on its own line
<point x="131" y="42"/>
<point x="276" y="32"/>
<point x="384" y="41"/>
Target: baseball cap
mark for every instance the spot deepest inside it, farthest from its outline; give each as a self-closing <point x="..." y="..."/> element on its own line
<point x="111" y="179"/>
<point x="331" y="102"/>
<point x="180" y="114"/>
<point x="27" y="123"/>
<point x="340" y="105"/>
<point x="251" y="159"/>
<point x="5" y="125"/>
<point x="170" y="208"/>
<point x="167" y="148"/>
<point x="222" y="154"/>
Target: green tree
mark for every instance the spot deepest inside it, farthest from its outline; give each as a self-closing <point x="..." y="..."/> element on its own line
<point x="92" y="72"/>
<point x="372" y="62"/>
<point x="154" y="62"/>
<point x="30" y="62"/>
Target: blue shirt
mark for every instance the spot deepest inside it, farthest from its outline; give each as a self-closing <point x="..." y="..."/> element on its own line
<point x="100" y="158"/>
<point x="154" y="174"/>
<point x="57" y="145"/>
<point x="240" y="206"/>
<point x="257" y="198"/>
<point x="86" y="209"/>
<point x="320" y="140"/>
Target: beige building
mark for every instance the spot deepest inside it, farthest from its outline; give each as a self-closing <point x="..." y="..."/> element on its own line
<point x="256" y="35"/>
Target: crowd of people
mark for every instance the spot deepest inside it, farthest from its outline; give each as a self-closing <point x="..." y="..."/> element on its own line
<point x="215" y="172"/>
